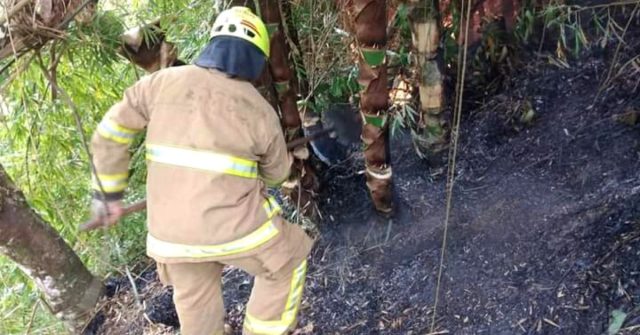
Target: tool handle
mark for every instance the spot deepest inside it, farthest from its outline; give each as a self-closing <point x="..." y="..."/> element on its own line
<point x="142" y="204"/>
<point x="304" y="140"/>
<point x="97" y="223"/>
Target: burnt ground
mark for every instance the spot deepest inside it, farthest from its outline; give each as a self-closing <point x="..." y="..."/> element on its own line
<point x="544" y="236"/>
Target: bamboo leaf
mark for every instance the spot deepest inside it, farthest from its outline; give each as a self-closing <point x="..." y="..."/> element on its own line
<point x="617" y="320"/>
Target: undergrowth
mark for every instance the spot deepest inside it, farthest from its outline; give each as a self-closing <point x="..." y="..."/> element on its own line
<point x="42" y="149"/>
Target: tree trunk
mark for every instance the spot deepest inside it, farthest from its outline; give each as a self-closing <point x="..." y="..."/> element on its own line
<point x="369" y="23"/>
<point x="69" y="289"/>
<point x="300" y="78"/>
<point x="303" y="181"/>
<point x="311" y="121"/>
<point x="483" y="11"/>
<point x="264" y="84"/>
<point x="431" y="134"/>
<point x="147" y="47"/>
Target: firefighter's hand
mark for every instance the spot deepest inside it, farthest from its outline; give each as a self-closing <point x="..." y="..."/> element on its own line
<point x="109" y="215"/>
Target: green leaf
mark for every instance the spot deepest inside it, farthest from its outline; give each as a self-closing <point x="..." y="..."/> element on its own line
<point x="617" y="320"/>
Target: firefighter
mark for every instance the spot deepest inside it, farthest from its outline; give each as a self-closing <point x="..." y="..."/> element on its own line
<point x="213" y="144"/>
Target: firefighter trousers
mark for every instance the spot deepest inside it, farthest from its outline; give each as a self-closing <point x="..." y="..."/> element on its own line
<point x="275" y="297"/>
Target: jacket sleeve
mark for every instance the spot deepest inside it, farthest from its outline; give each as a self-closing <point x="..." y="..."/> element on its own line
<point x="111" y="140"/>
<point x="274" y="165"/>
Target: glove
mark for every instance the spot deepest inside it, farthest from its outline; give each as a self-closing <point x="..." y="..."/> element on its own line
<point x="109" y="215"/>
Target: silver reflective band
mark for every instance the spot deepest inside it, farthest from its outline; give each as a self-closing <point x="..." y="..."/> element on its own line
<point x="288" y="317"/>
<point x="265" y="327"/>
<point x="271" y="207"/>
<point x="202" y="160"/>
<point x="115" y="132"/>
<point x="110" y="182"/>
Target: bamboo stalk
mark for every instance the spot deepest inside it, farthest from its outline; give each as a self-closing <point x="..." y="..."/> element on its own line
<point x="368" y="21"/>
<point x="302" y="182"/>
<point x="431" y="135"/>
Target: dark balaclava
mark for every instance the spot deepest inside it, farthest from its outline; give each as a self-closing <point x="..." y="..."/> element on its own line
<point x="234" y="56"/>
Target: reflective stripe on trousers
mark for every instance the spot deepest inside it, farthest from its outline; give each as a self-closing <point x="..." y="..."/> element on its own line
<point x="279" y="327"/>
<point x="202" y="160"/>
<point x="111" y="183"/>
<point x="255" y="239"/>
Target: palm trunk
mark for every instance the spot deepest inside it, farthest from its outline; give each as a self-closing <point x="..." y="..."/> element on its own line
<point x="69" y="289"/>
<point x="302" y="182"/>
<point x="368" y="20"/>
<point x="431" y="135"/>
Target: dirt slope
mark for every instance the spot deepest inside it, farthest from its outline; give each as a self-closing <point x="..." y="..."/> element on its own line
<point x="544" y="239"/>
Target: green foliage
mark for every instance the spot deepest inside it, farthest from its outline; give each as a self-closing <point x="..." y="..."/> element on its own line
<point x="45" y="158"/>
<point x="566" y="27"/>
<point x="337" y="89"/>
<point x="618" y="317"/>
<point x="525" y="24"/>
<point x="326" y="63"/>
<point x="106" y="28"/>
<point x="403" y="117"/>
<point x="43" y="150"/>
<point x="402" y="23"/>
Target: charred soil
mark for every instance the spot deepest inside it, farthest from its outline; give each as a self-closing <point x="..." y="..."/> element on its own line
<point x="544" y="236"/>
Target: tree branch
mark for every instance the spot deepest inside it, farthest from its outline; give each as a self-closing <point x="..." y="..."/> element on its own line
<point x="20" y="43"/>
<point x="14" y="10"/>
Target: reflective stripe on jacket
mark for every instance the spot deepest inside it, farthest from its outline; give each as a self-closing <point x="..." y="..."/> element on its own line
<point x="210" y="142"/>
<point x="249" y="242"/>
<point x="202" y="160"/>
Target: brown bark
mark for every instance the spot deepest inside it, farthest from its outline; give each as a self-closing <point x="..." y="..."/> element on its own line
<point x="300" y="80"/>
<point x="147" y="48"/>
<point x="303" y="181"/>
<point x="264" y="84"/>
<point x="482" y="12"/>
<point x="311" y="121"/>
<point x="368" y="23"/>
<point x="69" y="289"/>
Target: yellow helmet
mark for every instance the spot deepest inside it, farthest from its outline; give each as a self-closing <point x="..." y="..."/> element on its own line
<point x="242" y="23"/>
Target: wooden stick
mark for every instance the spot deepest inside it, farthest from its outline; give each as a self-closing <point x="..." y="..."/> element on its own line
<point x="97" y="223"/>
<point x="304" y="140"/>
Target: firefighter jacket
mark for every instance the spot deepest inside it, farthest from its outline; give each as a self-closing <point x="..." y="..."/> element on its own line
<point x="212" y="143"/>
